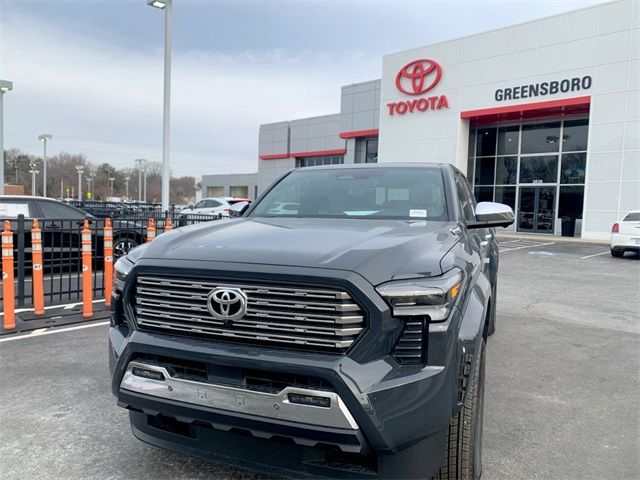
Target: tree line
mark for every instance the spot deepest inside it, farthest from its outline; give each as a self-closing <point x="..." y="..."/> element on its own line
<point x="62" y="174"/>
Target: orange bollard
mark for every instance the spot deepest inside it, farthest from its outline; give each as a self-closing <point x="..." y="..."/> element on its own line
<point x="9" y="320"/>
<point x="108" y="261"/>
<point x="87" y="291"/>
<point x="168" y="225"/>
<point x="151" y="230"/>
<point x="37" y="272"/>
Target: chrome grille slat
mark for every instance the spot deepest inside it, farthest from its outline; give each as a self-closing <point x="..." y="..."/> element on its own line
<point x="300" y="316"/>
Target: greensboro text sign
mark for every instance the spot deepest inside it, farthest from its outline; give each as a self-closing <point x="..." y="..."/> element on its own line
<point x="417" y="78"/>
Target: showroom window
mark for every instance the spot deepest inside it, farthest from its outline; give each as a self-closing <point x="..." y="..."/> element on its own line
<point x="315" y="161"/>
<point x="540" y="166"/>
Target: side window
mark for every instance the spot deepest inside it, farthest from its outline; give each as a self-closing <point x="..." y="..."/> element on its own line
<point x="467" y="205"/>
<point x="212" y="203"/>
<point x="200" y="204"/>
<point x="13" y="209"/>
<point x="59" y="211"/>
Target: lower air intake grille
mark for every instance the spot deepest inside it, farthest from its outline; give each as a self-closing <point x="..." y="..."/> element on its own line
<point x="320" y="318"/>
<point x="412" y="346"/>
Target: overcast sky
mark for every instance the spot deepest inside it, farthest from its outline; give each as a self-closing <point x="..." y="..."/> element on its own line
<point x="90" y="72"/>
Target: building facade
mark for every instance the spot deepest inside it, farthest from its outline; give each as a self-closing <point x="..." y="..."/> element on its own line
<point x="543" y="116"/>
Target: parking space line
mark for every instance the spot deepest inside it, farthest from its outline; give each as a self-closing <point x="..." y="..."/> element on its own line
<point x="52" y="330"/>
<point x="594" y="255"/>
<point x="526" y="246"/>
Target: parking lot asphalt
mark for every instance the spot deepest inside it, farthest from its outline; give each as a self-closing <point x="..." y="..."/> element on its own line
<point x="561" y="395"/>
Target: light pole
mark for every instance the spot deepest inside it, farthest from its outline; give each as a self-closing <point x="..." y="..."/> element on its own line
<point x="5" y="86"/>
<point x="144" y="183"/>
<point x="79" y="169"/>
<point x="33" y="165"/>
<point x="89" y="182"/>
<point x="140" y="162"/>
<point x="44" y="137"/>
<point x="126" y="186"/>
<point x="111" y="180"/>
<point x="167" y="6"/>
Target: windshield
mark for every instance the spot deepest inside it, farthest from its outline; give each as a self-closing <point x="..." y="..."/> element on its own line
<point x="392" y="193"/>
<point x="632" y="217"/>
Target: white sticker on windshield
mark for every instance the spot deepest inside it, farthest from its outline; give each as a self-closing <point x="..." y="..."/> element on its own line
<point x="417" y="213"/>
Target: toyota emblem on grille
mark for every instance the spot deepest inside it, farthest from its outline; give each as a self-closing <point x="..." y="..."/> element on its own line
<point x="227" y="304"/>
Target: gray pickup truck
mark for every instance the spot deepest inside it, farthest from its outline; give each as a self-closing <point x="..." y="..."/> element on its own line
<point x="342" y="336"/>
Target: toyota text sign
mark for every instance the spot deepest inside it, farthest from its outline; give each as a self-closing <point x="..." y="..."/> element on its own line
<point x="417" y="78"/>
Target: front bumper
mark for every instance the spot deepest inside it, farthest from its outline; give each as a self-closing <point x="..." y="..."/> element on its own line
<point x="383" y="409"/>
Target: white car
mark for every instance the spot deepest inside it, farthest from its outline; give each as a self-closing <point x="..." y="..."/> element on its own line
<point x="625" y="234"/>
<point x="213" y="206"/>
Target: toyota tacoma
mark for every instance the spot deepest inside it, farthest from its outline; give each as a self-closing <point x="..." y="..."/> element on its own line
<point x="343" y="336"/>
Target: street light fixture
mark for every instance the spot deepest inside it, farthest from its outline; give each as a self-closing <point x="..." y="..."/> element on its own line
<point x="80" y="169"/>
<point x="44" y="137"/>
<point x="167" y="6"/>
<point x="5" y="86"/>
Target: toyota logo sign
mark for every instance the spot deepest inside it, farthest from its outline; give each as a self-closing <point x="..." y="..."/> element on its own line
<point x="418" y="77"/>
<point x="227" y="304"/>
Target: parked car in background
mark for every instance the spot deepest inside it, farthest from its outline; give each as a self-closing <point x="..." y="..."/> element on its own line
<point x="625" y="234"/>
<point x="213" y="206"/>
<point x="61" y="225"/>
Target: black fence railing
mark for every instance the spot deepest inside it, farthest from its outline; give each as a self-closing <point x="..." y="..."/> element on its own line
<point x="119" y="209"/>
<point x="62" y="255"/>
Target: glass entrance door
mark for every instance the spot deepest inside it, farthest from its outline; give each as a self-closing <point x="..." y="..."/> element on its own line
<point x="537" y="209"/>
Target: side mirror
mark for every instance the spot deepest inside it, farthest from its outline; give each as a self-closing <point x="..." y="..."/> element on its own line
<point x="491" y="214"/>
<point x="237" y="209"/>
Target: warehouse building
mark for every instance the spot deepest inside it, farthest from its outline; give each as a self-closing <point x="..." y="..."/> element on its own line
<point x="543" y="116"/>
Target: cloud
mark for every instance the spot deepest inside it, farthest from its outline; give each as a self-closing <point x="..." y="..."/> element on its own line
<point x="106" y="101"/>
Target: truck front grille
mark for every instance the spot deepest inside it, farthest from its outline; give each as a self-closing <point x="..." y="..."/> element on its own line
<point x="295" y="316"/>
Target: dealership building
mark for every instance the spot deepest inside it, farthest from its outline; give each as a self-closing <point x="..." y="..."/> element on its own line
<point x="543" y="116"/>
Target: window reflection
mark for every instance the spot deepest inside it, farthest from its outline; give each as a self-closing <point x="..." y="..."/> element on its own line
<point x="506" y="170"/>
<point x="542" y="169"/>
<point x="573" y="167"/>
<point x="574" y="136"/>
<point x="541" y="138"/>
<point x="485" y="171"/>
<point x="508" y="140"/>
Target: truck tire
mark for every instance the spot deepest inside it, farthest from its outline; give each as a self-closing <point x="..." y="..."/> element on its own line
<point x="617" y="253"/>
<point x="464" y="445"/>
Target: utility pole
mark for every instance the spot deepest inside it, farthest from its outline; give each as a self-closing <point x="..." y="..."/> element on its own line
<point x="126" y="186"/>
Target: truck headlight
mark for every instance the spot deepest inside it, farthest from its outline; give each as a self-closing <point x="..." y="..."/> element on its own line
<point x="434" y="297"/>
<point x="122" y="268"/>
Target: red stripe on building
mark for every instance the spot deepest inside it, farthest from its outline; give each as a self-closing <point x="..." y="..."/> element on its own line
<point x="360" y="133"/>
<point x="319" y="153"/>
<point x="526" y="107"/>
<point x="276" y="156"/>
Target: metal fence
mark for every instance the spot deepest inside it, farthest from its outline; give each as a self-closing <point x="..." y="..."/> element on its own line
<point x="62" y="255"/>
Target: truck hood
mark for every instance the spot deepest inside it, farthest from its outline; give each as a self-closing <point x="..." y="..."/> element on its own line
<point x="379" y="250"/>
